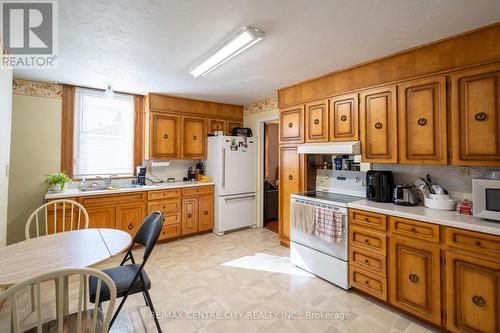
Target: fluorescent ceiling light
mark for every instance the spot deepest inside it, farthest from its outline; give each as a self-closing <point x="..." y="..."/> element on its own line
<point x="237" y="44"/>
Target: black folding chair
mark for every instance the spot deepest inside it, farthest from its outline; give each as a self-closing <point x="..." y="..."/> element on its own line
<point x="131" y="278"/>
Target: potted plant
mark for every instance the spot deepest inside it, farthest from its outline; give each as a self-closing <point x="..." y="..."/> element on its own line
<point x="57" y="181"/>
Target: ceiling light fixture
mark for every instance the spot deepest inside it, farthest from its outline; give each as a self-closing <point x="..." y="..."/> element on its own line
<point x="238" y="43"/>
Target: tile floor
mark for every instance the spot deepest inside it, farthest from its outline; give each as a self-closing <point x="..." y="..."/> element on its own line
<point x="242" y="282"/>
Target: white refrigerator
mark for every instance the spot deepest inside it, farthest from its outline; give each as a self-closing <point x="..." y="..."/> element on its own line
<point x="232" y="163"/>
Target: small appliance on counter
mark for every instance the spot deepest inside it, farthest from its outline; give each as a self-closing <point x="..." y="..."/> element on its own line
<point x="486" y="198"/>
<point x="379" y="185"/>
<point x="191" y="175"/>
<point x="405" y="195"/>
<point x="141" y="175"/>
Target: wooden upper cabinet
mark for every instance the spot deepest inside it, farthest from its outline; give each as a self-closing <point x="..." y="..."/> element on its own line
<point x="194" y="137"/>
<point x="422" y="121"/>
<point x="475" y="114"/>
<point x="414" y="278"/>
<point x="216" y="125"/>
<point x="473" y="294"/>
<point x="378" y="120"/>
<point x="344" y="118"/>
<point x="316" y="121"/>
<point x="164" y="136"/>
<point x="232" y="124"/>
<point x="292" y="124"/>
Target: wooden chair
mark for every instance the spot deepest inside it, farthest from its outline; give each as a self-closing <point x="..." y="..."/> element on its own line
<point x="92" y="320"/>
<point x="59" y="221"/>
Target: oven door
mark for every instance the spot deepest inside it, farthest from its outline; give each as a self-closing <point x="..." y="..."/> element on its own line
<point x="486" y="198"/>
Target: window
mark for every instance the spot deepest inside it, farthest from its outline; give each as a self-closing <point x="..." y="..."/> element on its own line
<point x="103" y="134"/>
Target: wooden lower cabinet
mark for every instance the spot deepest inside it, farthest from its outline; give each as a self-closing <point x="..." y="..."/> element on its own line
<point x="101" y="217"/>
<point x="414" y="278"/>
<point x="130" y="216"/>
<point x="189" y="216"/>
<point x="205" y="213"/>
<point x="473" y="296"/>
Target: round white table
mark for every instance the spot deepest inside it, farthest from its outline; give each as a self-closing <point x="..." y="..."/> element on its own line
<point x="78" y="248"/>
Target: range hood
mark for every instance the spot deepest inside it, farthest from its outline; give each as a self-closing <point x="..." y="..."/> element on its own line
<point x="331" y="148"/>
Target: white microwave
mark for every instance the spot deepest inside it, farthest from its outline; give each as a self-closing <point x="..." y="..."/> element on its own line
<point x="486" y="198"/>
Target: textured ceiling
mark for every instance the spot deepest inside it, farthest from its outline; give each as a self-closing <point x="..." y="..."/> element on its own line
<point x="148" y="45"/>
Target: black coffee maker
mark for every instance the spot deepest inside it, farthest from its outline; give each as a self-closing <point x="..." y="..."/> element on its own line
<point x="379" y="185"/>
<point x="141" y="175"/>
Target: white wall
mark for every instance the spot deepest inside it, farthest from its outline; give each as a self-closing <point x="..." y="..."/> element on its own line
<point x="5" y="130"/>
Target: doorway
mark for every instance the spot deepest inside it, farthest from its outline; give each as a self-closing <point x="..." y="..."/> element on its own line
<point x="271" y="175"/>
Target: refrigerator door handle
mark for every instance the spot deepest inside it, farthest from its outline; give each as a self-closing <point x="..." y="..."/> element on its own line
<point x="223" y="181"/>
<point x="240" y="198"/>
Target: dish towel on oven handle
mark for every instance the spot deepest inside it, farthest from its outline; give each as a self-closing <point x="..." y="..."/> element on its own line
<point x="328" y="225"/>
<point x="303" y="217"/>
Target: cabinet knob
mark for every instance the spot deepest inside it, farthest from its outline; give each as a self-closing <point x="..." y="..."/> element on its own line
<point x="413" y="229"/>
<point x="343" y="118"/>
<point x="366" y="219"/>
<point x="130" y="226"/>
<point x="316" y="121"/>
<point x="480" y="116"/>
<point x="190" y="215"/>
<point x="367" y="282"/>
<point x="290" y="177"/>
<point x="165" y="136"/>
<point x="195" y="137"/>
<point x="378" y="125"/>
<point x="422" y="121"/>
<point x="478" y="243"/>
<point x="478" y="301"/>
<point x="367" y="240"/>
<point x="290" y="125"/>
<point x="164" y="207"/>
<point x="366" y="261"/>
<point x="413" y="277"/>
<point x="205" y="213"/>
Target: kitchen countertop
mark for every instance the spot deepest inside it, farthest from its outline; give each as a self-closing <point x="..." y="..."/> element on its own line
<point x="74" y="192"/>
<point x="421" y="213"/>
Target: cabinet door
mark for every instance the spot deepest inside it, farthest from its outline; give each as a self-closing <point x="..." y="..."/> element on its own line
<point x="194" y="138"/>
<point x="232" y="124"/>
<point x="473" y="294"/>
<point x="475" y="112"/>
<point x="216" y="125"/>
<point x="130" y="216"/>
<point x="102" y="217"/>
<point x="379" y="125"/>
<point x="292" y="124"/>
<point x="422" y="121"/>
<point x="414" y="278"/>
<point x="164" y="136"/>
<point x="189" y="216"/>
<point x="206" y="215"/>
<point x="289" y="182"/>
<point x="317" y="121"/>
<point x="344" y="118"/>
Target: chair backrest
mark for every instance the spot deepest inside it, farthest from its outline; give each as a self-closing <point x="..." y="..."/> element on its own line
<point x="148" y="232"/>
<point x="84" y="322"/>
<point x="57" y="216"/>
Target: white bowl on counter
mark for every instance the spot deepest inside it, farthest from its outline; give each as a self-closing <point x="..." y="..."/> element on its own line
<point x="440" y="204"/>
<point x="439" y="196"/>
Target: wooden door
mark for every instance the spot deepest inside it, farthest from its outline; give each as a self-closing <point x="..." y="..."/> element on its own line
<point x="378" y="120"/>
<point x="130" y="216"/>
<point x="290" y="181"/>
<point x="206" y="213"/>
<point x="473" y="294"/>
<point x="189" y="216"/>
<point x="344" y="118"/>
<point x="216" y="125"/>
<point x="194" y="138"/>
<point x="414" y="278"/>
<point x="232" y="124"/>
<point x="317" y="121"/>
<point x="102" y="217"/>
<point x="292" y="124"/>
<point x="475" y="113"/>
<point x="422" y="121"/>
<point x="164" y="136"/>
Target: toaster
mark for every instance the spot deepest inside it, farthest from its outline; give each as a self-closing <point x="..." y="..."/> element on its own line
<point x="404" y="195"/>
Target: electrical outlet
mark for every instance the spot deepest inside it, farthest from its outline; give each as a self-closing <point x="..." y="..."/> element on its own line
<point x="464" y="171"/>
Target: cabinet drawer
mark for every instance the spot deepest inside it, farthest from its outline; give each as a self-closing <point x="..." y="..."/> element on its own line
<point x="165" y="194"/>
<point x="368" y="240"/>
<point x="414" y="229"/>
<point x="170" y="231"/>
<point x="187" y="192"/>
<point x="368" y="282"/>
<point x="368" y="219"/>
<point x="487" y="245"/>
<point x="368" y="261"/>
<point x="165" y="206"/>
<point x="112" y="199"/>
<point x="172" y="218"/>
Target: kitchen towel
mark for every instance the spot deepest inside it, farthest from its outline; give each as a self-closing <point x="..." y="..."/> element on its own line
<point x="303" y="217"/>
<point x="328" y="225"/>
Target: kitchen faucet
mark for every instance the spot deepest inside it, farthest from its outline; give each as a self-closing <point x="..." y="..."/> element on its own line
<point x="106" y="179"/>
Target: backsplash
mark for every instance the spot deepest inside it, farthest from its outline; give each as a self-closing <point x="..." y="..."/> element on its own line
<point x="177" y="169"/>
